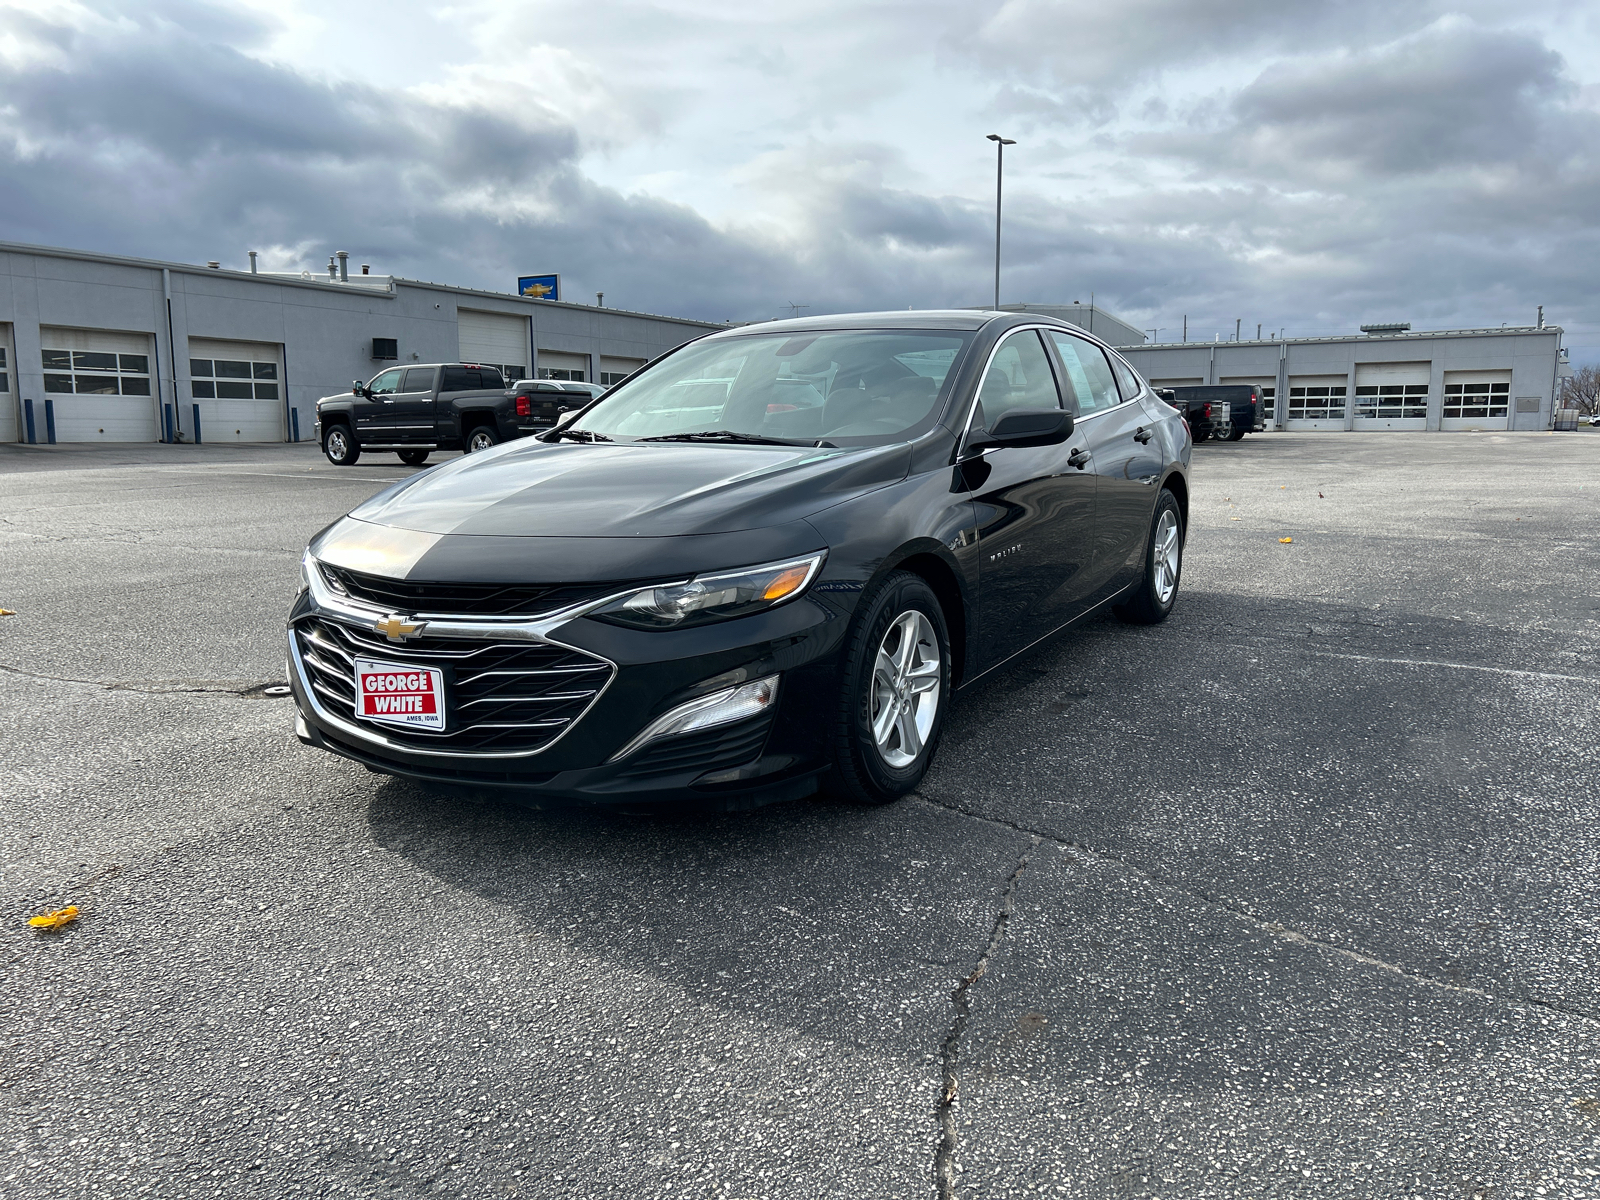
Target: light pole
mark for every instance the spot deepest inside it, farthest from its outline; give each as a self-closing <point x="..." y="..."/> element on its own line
<point x="1000" y="145"/>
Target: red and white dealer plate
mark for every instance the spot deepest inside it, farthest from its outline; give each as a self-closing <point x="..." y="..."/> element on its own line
<point x="394" y="694"/>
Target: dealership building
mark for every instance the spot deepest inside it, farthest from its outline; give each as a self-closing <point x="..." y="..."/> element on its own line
<point x="1384" y="378"/>
<point x="100" y="348"/>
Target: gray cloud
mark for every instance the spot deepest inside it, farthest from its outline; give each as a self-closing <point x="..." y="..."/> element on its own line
<point x="1455" y="94"/>
<point x="1446" y="176"/>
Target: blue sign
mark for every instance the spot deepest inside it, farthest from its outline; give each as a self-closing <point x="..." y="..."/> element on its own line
<point x="540" y="287"/>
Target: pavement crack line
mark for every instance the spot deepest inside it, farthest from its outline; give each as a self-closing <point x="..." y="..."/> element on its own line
<point x="1283" y="932"/>
<point x="226" y="687"/>
<point x="944" y="1163"/>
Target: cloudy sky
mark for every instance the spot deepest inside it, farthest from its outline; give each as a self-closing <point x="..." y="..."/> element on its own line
<point x="1308" y="167"/>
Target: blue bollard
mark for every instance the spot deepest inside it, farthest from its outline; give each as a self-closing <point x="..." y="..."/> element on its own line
<point x="50" y="420"/>
<point x="196" y="424"/>
<point x="27" y="413"/>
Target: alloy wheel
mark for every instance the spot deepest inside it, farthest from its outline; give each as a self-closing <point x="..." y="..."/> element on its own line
<point x="338" y="444"/>
<point x="481" y="440"/>
<point x="906" y="684"/>
<point x="1165" y="557"/>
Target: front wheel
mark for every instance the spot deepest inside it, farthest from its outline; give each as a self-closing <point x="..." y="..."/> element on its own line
<point x="340" y="446"/>
<point x="413" y="458"/>
<point x="896" y="682"/>
<point x="1153" y="599"/>
<point x="480" y="438"/>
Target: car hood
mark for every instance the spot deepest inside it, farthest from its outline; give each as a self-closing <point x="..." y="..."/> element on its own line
<point x="628" y="490"/>
<point x="533" y="512"/>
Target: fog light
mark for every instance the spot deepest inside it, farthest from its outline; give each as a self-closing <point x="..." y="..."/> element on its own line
<point x="719" y="708"/>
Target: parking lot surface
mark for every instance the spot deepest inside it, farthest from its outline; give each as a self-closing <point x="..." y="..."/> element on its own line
<point x="1297" y="894"/>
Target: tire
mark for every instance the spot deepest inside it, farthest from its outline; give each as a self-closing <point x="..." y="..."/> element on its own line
<point x="1235" y="435"/>
<point x="480" y="438"/>
<point x="413" y="458"/>
<point x="882" y="670"/>
<point x="340" y="445"/>
<point x="1157" y="592"/>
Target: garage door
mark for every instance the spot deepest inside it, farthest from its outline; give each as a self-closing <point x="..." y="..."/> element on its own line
<point x="238" y="388"/>
<point x="1392" y="395"/>
<point x="1267" y="386"/>
<point x="615" y="370"/>
<point x="495" y="339"/>
<point x="98" y="382"/>
<point x="1476" y="400"/>
<point x="555" y="364"/>
<point x="1317" y="401"/>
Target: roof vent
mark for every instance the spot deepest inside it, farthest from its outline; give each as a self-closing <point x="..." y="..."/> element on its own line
<point x="214" y="264"/>
<point x="1391" y="327"/>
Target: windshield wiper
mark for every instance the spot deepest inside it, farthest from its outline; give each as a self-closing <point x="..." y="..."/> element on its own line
<point x="724" y="435"/>
<point x="577" y="435"/>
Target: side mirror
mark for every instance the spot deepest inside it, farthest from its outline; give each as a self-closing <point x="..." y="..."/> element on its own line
<point x="1024" y="427"/>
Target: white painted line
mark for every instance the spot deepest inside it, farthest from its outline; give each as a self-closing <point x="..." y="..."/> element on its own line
<point x="1425" y="662"/>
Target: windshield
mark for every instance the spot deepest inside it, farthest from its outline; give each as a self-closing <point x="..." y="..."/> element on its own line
<point x="849" y="387"/>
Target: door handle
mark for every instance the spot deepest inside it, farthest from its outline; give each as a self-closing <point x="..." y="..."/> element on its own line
<point x="1142" y="436"/>
<point x="1078" y="458"/>
<point x="388" y="401"/>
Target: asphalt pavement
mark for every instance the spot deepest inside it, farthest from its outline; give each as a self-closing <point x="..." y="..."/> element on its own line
<point x="1297" y="894"/>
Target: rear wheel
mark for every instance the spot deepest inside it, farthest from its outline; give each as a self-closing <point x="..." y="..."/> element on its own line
<point x="1163" y="566"/>
<point x="480" y="438"/>
<point x="892" y="698"/>
<point x="340" y="446"/>
<point x="1234" y="435"/>
<point x="413" y="458"/>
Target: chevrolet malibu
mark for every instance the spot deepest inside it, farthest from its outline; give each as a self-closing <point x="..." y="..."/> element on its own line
<point x="767" y="561"/>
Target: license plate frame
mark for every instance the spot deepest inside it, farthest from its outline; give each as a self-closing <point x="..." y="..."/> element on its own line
<point x="400" y="695"/>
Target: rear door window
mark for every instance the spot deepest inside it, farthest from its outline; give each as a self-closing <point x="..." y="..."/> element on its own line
<point x="419" y="379"/>
<point x="1089" y="372"/>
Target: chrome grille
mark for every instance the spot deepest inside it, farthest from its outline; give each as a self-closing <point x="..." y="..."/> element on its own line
<point x="502" y="697"/>
<point x="425" y="598"/>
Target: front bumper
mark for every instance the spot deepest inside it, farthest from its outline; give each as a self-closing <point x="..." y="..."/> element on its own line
<point x="775" y="755"/>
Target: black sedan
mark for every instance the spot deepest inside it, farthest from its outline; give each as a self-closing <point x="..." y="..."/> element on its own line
<point x="766" y="561"/>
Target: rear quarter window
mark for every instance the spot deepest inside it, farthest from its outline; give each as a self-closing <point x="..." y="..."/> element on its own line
<point x="471" y="379"/>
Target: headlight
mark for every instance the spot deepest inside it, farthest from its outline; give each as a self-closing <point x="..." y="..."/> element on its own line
<point x="707" y="598"/>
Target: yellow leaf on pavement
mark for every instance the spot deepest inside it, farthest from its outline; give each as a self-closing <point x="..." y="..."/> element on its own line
<point x="1285" y="541"/>
<point x="55" y="920"/>
<point x="7" y="612"/>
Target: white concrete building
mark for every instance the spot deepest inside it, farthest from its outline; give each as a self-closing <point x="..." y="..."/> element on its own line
<point x="1391" y="379"/>
<point x="101" y="348"/>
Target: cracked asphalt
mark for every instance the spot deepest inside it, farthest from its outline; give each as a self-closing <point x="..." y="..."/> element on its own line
<point x="1293" y="895"/>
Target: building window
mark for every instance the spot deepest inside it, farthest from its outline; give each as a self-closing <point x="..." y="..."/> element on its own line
<point x="1390" y="400"/>
<point x="1269" y="400"/>
<point x="232" y="379"/>
<point x="1476" y="399"/>
<point x="95" y="373"/>
<point x="560" y="373"/>
<point x="5" y="376"/>
<point x="609" y="378"/>
<point x="1317" y="403"/>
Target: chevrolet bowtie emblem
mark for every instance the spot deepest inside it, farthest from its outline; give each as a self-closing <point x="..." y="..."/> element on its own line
<point x="397" y="629"/>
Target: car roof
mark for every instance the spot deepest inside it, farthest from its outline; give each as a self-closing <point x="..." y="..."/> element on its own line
<point x="947" y="318"/>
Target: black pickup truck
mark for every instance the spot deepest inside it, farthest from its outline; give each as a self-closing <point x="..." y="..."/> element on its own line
<point x="1204" y="418"/>
<point x="1227" y="410"/>
<point x="418" y="409"/>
